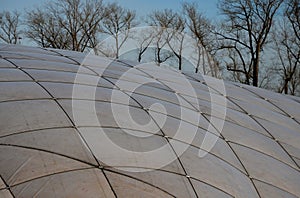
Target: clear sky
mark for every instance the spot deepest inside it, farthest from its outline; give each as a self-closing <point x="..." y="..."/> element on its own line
<point x="142" y="7"/>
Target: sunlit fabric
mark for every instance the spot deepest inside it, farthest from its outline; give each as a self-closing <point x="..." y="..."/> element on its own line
<point x="45" y="151"/>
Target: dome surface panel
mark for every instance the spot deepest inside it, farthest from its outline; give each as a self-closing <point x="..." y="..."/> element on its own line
<point x="46" y="150"/>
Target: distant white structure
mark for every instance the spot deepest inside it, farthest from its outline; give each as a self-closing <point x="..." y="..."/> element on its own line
<point x="144" y="137"/>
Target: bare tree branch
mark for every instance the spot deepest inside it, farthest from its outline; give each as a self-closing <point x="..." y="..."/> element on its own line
<point x="10" y="27"/>
<point x="247" y="25"/>
<point x="117" y="23"/>
<point x="66" y="24"/>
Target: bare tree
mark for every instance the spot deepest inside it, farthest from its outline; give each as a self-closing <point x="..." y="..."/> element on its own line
<point x="176" y="38"/>
<point x="117" y="23"/>
<point x="171" y="26"/>
<point x="10" y="27"/>
<point x="201" y="30"/>
<point x="45" y="30"/>
<point x="245" y="31"/>
<point x="160" y="41"/>
<point x="66" y="24"/>
<point x="144" y="40"/>
<point x="287" y="48"/>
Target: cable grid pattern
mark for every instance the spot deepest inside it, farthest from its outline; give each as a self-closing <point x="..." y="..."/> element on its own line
<point x="46" y="153"/>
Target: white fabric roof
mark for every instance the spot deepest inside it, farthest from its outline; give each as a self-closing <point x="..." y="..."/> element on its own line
<point x="51" y="145"/>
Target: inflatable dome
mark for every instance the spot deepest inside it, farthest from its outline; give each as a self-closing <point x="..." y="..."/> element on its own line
<point x="79" y="125"/>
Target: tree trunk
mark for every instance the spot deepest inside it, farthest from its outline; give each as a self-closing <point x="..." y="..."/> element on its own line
<point x="140" y="57"/>
<point x="256" y="68"/>
<point x="117" y="46"/>
<point x="286" y="88"/>
<point x="179" y="63"/>
<point x="158" y="56"/>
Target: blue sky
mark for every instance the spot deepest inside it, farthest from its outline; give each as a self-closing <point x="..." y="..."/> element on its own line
<point x="142" y="7"/>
